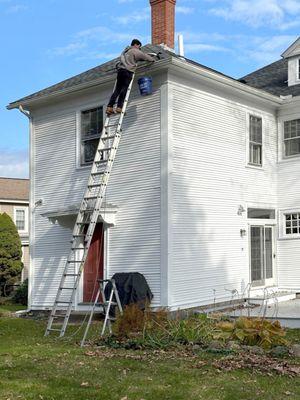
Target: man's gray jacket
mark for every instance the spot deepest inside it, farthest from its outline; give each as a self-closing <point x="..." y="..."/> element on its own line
<point x="130" y="57"/>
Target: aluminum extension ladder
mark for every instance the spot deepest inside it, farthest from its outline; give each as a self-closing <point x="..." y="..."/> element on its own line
<point x="86" y="221"/>
<point x="105" y="305"/>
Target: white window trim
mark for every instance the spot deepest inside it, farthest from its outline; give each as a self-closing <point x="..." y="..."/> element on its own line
<point x="78" y="132"/>
<point x="298" y="70"/>
<point x="248" y="164"/>
<point x="26" y="218"/>
<point x="281" y="231"/>
<point x="282" y="158"/>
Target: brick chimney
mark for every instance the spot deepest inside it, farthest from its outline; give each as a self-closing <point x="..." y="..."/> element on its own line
<point x="163" y="22"/>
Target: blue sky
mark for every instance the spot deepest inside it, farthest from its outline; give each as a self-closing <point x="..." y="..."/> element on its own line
<point x="46" y="41"/>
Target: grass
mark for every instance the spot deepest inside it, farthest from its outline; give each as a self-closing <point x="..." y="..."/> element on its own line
<point x="34" y="367"/>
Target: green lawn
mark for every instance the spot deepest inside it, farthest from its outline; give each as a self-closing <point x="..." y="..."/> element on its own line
<point x="34" y="367"/>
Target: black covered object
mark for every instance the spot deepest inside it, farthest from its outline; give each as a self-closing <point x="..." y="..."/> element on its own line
<point x="132" y="288"/>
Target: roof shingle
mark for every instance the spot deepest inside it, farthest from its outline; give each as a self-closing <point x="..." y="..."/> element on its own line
<point x="273" y="79"/>
<point x="14" y="189"/>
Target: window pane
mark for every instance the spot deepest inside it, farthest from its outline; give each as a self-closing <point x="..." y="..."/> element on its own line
<point x="292" y="129"/>
<point x="255" y="154"/>
<point x="91" y="122"/>
<point x="292" y="223"/>
<point x="20" y="220"/>
<point x="255" y="129"/>
<point x="261" y="213"/>
<point x="91" y="128"/>
<point x="292" y="147"/>
<point x="89" y="149"/>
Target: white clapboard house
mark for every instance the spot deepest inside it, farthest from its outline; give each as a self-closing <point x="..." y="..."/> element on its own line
<point x="204" y="197"/>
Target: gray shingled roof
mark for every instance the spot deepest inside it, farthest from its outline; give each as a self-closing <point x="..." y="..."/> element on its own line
<point x="272" y="79"/>
<point x="106" y="69"/>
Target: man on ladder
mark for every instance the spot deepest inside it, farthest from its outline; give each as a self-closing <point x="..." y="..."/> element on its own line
<point x="126" y="68"/>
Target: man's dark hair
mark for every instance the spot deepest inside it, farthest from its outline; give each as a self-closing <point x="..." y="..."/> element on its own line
<point x="136" y="41"/>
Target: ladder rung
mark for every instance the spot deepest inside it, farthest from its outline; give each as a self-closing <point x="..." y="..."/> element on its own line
<point x="83" y="223"/>
<point x="94" y="185"/>
<point x="74" y="261"/>
<point x="67" y="288"/>
<point x="79" y="235"/>
<point x="67" y="274"/>
<point x="102" y="161"/>
<point x="111" y="125"/>
<point x="108" y="137"/>
<point x="98" y="173"/>
<point x="91" y="198"/>
<point x="63" y="302"/>
<point x="53" y="329"/>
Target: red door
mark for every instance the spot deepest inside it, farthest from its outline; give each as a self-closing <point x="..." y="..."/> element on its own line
<point x="93" y="268"/>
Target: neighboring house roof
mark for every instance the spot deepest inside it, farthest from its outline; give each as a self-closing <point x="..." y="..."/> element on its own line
<point x="14" y="189"/>
<point x="106" y="69"/>
<point x="273" y="79"/>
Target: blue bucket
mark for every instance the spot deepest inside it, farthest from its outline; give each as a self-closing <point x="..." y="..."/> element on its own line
<point x="145" y="85"/>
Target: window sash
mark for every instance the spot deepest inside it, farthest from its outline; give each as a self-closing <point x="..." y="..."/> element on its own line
<point x="255" y="140"/>
<point x="20" y="220"/>
<point x="291" y="137"/>
<point x="91" y="128"/>
<point x="292" y="223"/>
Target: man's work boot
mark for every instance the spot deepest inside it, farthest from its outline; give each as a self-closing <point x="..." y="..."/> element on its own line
<point x="118" y="110"/>
<point x="109" y="110"/>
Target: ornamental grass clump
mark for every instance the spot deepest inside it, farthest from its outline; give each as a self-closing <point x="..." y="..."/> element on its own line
<point x="252" y="332"/>
<point x="148" y="329"/>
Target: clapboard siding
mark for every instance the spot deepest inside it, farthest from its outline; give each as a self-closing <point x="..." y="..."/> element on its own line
<point x="134" y="243"/>
<point x="210" y="180"/>
<point x="289" y="249"/>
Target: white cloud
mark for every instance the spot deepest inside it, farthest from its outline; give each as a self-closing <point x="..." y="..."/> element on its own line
<point x="184" y="10"/>
<point x="94" y="43"/>
<point x="134" y="17"/>
<point x="16" y="8"/>
<point x="279" y="14"/>
<point x="14" y="164"/>
<point x="70" y="49"/>
<point x="201" y="47"/>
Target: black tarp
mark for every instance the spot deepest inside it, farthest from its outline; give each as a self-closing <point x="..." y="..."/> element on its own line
<point x="132" y="288"/>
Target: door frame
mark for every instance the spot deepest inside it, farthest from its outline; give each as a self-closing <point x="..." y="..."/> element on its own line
<point x="79" y="294"/>
<point x="266" y="224"/>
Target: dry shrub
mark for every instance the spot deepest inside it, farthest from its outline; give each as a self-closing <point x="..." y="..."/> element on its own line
<point x="130" y="322"/>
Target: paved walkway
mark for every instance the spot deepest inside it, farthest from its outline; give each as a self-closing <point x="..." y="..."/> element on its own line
<point x="287" y="312"/>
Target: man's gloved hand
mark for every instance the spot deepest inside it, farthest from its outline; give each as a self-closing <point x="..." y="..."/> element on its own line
<point x="158" y="55"/>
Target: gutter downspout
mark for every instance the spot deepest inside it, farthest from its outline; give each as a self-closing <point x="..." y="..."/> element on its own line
<point x="27" y="114"/>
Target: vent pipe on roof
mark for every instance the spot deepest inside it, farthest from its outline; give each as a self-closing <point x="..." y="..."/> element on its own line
<point x="180" y="46"/>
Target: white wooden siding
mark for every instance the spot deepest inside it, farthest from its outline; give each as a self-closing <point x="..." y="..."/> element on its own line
<point x="134" y="243"/>
<point x="210" y="181"/>
<point x="288" y="260"/>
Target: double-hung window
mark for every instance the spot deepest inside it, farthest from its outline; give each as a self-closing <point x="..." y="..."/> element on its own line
<point x="21" y="219"/>
<point x="291" y="138"/>
<point x="255" y="140"/>
<point x="91" y="128"/>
